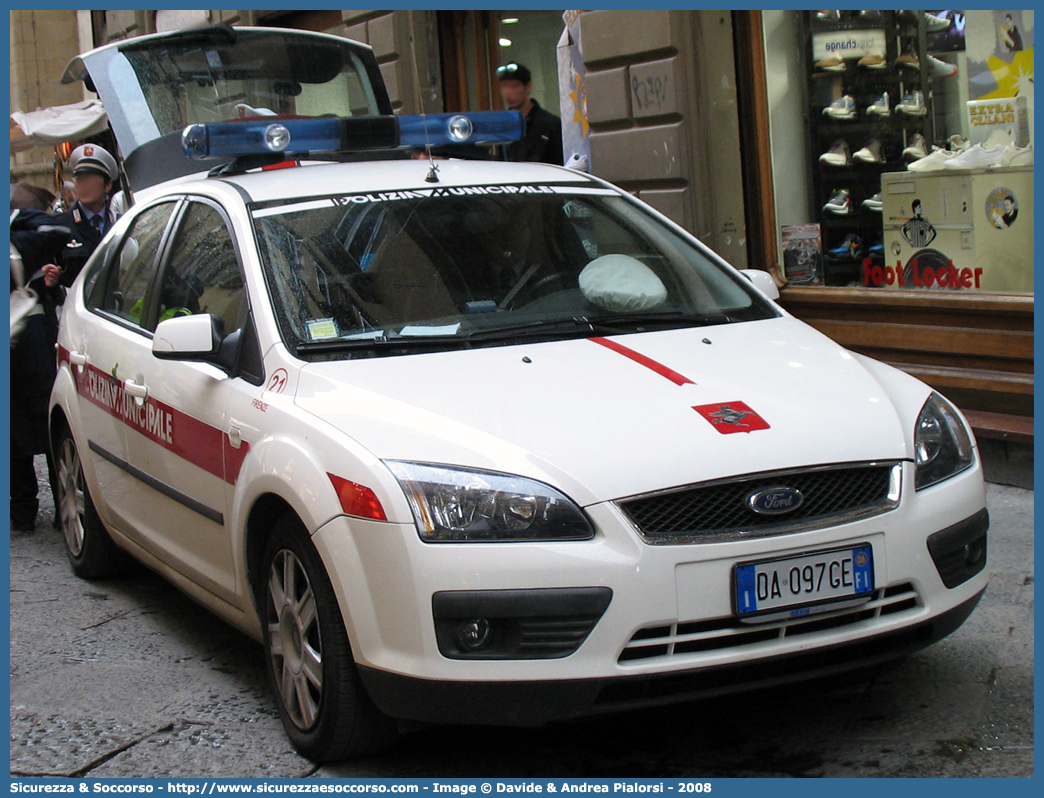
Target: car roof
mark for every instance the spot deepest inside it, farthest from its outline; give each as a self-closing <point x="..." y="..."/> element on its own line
<point x="326" y="179"/>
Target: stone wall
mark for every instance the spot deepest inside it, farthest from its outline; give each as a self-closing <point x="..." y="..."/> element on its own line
<point x="661" y="100"/>
<point x="42" y="43"/>
<point x="414" y="83"/>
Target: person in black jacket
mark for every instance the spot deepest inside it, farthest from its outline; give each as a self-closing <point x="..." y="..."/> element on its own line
<point x="90" y="217"/>
<point x="35" y="236"/>
<point x="542" y="141"/>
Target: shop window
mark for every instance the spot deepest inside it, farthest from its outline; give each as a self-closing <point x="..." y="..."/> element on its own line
<point x="920" y="161"/>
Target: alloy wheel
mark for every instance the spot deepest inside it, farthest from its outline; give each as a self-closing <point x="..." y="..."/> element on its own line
<point x="295" y="644"/>
<point x="71" y="506"/>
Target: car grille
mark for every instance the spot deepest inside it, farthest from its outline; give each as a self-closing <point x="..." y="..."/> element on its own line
<point x="713" y="511"/>
<point x="721" y="633"/>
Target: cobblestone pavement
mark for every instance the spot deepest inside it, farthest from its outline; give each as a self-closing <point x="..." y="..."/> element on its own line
<point x="130" y="678"/>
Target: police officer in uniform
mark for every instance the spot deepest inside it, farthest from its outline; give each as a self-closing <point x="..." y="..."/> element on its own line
<point x="94" y="173"/>
<point x="542" y="141"/>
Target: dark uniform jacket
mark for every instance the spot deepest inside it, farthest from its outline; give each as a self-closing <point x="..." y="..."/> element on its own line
<point x="85" y="239"/>
<point x="542" y="141"/>
<point x="32" y="366"/>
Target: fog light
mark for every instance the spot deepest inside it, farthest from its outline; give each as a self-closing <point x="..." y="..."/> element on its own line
<point x="960" y="551"/>
<point x="277" y="138"/>
<point x="975" y="553"/>
<point x="475" y="634"/>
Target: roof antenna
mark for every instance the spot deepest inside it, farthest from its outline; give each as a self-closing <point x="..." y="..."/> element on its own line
<point x="432" y="176"/>
<point x="433" y="169"/>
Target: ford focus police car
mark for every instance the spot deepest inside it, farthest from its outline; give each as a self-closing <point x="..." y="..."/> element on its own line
<point x="473" y="441"/>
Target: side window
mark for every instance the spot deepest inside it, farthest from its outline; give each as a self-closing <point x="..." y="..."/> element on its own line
<point x="121" y="287"/>
<point x="202" y="273"/>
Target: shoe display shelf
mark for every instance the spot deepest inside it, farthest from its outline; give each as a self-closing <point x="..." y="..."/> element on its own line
<point x="905" y="34"/>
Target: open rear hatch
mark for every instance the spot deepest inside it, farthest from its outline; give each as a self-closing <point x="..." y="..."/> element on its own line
<point x="154" y="86"/>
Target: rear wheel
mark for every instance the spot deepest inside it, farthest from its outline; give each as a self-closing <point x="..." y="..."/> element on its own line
<point x="322" y="702"/>
<point x="91" y="551"/>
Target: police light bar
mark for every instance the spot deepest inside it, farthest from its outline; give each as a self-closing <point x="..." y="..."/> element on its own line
<point x="267" y="136"/>
<point x="290" y="136"/>
<point x="482" y="127"/>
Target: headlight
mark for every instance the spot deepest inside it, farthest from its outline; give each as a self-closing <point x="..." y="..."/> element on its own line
<point x="942" y="444"/>
<point x="456" y="505"/>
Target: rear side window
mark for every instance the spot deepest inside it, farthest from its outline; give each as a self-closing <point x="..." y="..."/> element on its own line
<point x="124" y="282"/>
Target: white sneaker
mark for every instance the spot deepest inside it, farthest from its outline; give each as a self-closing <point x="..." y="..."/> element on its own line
<point x="831" y="63"/>
<point x="874" y="203"/>
<point x="933" y="162"/>
<point x="871" y="153"/>
<point x="873" y="62"/>
<point x="917" y="149"/>
<point x="1017" y="156"/>
<point x="880" y="107"/>
<point x="837" y="155"/>
<point x="999" y="138"/>
<point x="842" y="108"/>
<point x="936" y="24"/>
<point x="958" y="143"/>
<point x="977" y="157"/>
<point x="940" y="69"/>
<point x="839" y="204"/>
<point x="912" y="104"/>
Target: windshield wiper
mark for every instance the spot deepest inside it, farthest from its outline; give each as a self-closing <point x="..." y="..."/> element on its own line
<point x="639" y="322"/>
<point x="576" y="326"/>
<point x="602" y="325"/>
<point x="425" y="343"/>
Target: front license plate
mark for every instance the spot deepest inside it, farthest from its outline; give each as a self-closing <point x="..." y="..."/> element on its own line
<point x="793" y="583"/>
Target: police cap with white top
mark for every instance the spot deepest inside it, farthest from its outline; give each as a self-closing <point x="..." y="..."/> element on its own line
<point x="92" y="158"/>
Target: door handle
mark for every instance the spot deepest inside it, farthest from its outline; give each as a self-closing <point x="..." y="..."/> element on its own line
<point x="78" y="358"/>
<point x="136" y="389"/>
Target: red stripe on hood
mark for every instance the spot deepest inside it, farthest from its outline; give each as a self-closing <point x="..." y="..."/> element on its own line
<point x="648" y="362"/>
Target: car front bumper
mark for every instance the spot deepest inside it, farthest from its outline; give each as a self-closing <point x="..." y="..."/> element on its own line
<point x="534" y="703"/>
<point x="667" y="630"/>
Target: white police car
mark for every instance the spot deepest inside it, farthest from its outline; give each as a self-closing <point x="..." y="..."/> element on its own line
<point x="487" y="443"/>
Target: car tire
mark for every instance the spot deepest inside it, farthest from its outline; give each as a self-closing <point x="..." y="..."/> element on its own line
<point x="91" y="551"/>
<point x="322" y="702"/>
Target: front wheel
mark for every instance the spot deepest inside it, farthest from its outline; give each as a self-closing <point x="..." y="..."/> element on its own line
<point x="91" y="551"/>
<point x="322" y="702"/>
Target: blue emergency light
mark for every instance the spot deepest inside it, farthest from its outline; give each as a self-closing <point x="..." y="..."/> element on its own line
<point x="304" y="136"/>
<point x="482" y="127"/>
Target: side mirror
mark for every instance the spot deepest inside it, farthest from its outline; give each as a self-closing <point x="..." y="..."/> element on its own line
<point x="762" y="281"/>
<point x="195" y="337"/>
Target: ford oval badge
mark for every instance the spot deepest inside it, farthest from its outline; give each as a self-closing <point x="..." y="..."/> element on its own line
<point x="775" y="501"/>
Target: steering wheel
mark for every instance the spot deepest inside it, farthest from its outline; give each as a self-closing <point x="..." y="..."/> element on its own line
<point x="534" y="291"/>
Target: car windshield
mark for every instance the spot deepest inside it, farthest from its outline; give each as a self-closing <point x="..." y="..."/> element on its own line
<point x="398" y="272"/>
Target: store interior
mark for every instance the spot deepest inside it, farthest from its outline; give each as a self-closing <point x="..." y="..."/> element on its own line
<point x="913" y="168"/>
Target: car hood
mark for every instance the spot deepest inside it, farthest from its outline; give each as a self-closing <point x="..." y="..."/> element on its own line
<point x="607" y="418"/>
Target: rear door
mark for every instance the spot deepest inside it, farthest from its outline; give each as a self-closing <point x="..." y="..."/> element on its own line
<point x="184" y="443"/>
<point x="104" y="342"/>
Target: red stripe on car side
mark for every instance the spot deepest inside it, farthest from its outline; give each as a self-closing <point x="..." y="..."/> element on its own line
<point x="189" y="438"/>
<point x="648" y="362"/>
<point x="233" y="459"/>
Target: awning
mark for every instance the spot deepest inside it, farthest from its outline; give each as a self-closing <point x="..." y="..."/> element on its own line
<point x="46" y="127"/>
